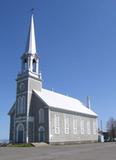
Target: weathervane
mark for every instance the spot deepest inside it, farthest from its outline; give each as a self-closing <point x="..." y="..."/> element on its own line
<point x="32" y="10"/>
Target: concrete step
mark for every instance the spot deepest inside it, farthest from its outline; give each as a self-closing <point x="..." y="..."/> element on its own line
<point x="39" y="144"/>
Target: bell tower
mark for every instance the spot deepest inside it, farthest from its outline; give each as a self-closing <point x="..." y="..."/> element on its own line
<point x="30" y="61"/>
<point x="28" y="79"/>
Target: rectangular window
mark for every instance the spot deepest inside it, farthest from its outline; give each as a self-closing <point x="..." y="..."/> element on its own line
<point x="75" y="125"/>
<point x="82" y="127"/>
<point x="88" y="127"/>
<point x="57" y="124"/>
<point x="66" y="124"/>
<point x="94" y="127"/>
<point x="41" y="115"/>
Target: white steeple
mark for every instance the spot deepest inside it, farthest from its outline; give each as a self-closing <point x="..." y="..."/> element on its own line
<point x="30" y="59"/>
<point x="31" y="43"/>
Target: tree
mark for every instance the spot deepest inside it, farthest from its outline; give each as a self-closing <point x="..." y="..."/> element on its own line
<point x="111" y="128"/>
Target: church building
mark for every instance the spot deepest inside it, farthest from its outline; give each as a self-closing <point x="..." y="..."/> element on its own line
<point x="41" y="115"/>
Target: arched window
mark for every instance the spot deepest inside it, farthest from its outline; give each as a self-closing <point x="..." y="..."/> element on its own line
<point x="41" y="134"/>
<point x="23" y="104"/>
<point x="20" y="127"/>
<point x="21" y="86"/>
<point x="25" y="64"/>
<point x="18" y="104"/>
<point x="41" y="115"/>
<point x="21" y="108"/>
<point x="34" y="65"/>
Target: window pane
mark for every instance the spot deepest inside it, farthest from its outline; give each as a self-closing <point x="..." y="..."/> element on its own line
<point x="41" y="115"/>
<point x="82" y="126"/>
<point x="57" y="124"/>
<point x="66" y="124"/>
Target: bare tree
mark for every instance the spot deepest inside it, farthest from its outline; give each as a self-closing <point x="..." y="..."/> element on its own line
<point x="111" y="128"/>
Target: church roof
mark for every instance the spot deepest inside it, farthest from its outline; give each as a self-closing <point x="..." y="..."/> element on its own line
<point x="12" y="109"/>
<point x="60" y="101"/>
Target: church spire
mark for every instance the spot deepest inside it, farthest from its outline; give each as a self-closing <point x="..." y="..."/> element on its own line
<point x="30" y="59"/>
<point x="31" y="42"/>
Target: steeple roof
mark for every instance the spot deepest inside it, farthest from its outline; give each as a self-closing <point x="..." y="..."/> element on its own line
<point x="31" y="42"/>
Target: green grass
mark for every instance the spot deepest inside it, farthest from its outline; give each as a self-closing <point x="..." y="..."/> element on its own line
<point x="20" y="145"/>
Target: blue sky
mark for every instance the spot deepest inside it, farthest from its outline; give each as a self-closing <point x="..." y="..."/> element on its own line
<point x="76" y="42"/>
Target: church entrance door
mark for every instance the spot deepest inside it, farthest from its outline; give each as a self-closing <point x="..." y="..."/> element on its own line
<point x="20" y="133"/>
<point x="41" y="134"/>
<point x="20" y="137"/>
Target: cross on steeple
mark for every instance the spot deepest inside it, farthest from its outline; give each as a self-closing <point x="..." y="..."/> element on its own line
<point x="32" y="10"/>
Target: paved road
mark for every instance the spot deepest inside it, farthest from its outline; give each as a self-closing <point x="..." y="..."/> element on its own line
<point x="97" y="151"/>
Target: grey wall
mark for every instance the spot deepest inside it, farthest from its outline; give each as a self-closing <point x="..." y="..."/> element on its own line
<point x="12" y="129"/>
<point x="36" y="104"/>
<point x="71" y="137"/>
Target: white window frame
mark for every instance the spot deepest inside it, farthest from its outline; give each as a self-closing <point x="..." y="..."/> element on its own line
<point x="66" y="124"/>
<point x="41" y="115"/>
<point x="75" y="123"/>
<point x="57" y="123"/>
<point x="94" y="127"/>
<point x="23" y="104"/>
<point x="88" y="127"/>
<point x="82" y="127"/>
<point x="19" y="105"/>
